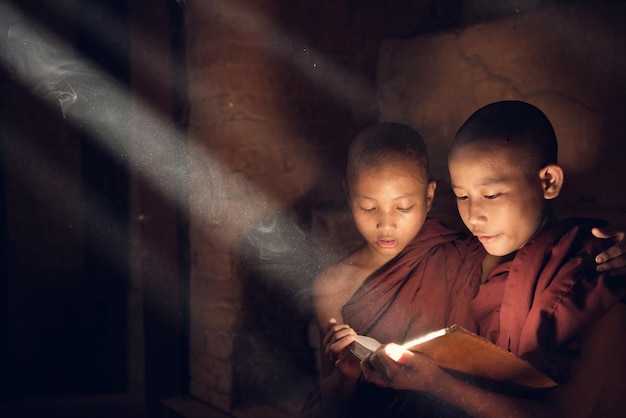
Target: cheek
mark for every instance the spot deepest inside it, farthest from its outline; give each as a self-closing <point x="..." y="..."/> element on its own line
<point x="416" y="222"/>
<point x="359" y="220"/>
<point x="527" y="211"/>
<point x="364" y="222"/>
<point x="462" y="209"/>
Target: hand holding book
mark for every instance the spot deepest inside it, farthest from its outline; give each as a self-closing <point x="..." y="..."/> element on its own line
<point x="397" y="368"/>
<point x="335" y="345"/>
<point x="462" y="353"/>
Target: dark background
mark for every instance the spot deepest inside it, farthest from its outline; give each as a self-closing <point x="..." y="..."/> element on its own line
<point x="78" y="318"/>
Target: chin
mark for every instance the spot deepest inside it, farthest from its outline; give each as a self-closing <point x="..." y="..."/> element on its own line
<point x="498" y="251"/>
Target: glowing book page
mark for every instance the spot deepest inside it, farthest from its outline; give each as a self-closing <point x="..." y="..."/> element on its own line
<point x="363" y="346"/>
<point x="464" y="352"/>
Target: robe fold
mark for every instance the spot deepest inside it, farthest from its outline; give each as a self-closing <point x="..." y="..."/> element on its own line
<point x="428" y="286"/>
<point x="538" y="304"/>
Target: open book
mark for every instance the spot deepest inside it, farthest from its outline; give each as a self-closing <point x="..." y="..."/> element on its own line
<point x="462" y="352"/>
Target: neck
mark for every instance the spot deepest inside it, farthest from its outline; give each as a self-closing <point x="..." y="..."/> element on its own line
<point x="491" y="261"/>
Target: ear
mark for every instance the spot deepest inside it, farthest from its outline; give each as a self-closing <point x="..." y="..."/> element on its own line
<point x="430" y="193"/>
<point x="552" y="178"/>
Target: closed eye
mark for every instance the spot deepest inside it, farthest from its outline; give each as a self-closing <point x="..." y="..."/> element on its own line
<point x="461" y="198"/>
<point x="368" y="209"/>
<point x="405" y="209"/>
<point x="493" y="196"/>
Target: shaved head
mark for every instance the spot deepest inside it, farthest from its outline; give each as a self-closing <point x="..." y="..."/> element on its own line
<point x="517" y="127"/>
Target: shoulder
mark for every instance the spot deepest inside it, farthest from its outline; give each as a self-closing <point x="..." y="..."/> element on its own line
<point x="330" y="277"/>
<point x="562" y="252"/>
<point x="332" y="288"/>
<point x="347" y="274"/>
<point x="580" y="225"/>
<point x="337" y="282"/>
<point x="574" y="234"/>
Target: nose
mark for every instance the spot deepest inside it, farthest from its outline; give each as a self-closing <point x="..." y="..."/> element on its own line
<point x="475" y="214"/>
<point x="386" y="221"/>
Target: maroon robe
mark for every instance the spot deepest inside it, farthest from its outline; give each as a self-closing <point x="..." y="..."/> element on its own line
<point x="538" y="304"/>
<point x="429" y="285"/>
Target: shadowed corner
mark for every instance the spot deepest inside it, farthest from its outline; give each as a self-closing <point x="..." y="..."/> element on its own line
<point x="278" y="265"/>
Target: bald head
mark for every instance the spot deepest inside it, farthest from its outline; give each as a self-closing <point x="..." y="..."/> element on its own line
<point x="387" y="143"/>
<point x="517" y="127"/>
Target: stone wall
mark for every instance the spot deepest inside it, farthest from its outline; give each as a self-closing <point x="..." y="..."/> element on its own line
<point x="276" y="91"/>
<point x="274" y="99"/>
<point x="568" y="61"/>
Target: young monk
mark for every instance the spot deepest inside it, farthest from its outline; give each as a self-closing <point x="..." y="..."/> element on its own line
<point x="545" y="301"/>
<point x="390" y="193"/>
<point x="402" y="282"/>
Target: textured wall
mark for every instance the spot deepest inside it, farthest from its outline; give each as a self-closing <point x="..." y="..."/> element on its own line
<point x="276" y="91"/>
<point x="568" y="61"/>
<point x="274" y="98"/>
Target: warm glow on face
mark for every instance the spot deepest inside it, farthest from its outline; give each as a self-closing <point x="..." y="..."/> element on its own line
<point x="389" y="204"/>
<point x="498" y="202"/>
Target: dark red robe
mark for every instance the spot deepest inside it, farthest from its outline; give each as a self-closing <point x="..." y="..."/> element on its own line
<point x="538" y="304"/>
<point x="428" y="286"/>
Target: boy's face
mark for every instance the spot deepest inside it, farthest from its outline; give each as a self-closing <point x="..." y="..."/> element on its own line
<point x="498" y="201"/>
<point x="389" y="204"/>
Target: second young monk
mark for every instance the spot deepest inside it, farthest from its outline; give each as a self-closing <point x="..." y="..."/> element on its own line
<point x="544" y="302"/>
<point x="412" y="275"/>
<point x="390" y="193"/>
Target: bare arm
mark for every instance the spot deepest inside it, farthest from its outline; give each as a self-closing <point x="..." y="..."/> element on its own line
<point x="336" y="387"/>
<point x="339" y="383"/>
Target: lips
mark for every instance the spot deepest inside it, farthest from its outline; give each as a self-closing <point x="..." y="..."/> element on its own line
<point x="387" y="242"/>
<point x="486" y="239"/>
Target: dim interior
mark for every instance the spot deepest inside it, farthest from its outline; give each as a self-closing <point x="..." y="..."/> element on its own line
<point x="171" y="175"/>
